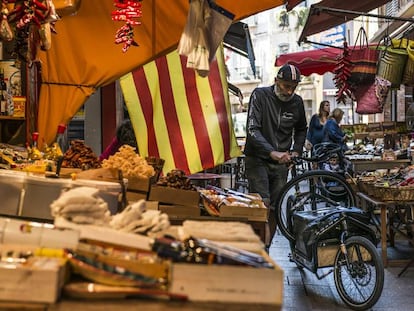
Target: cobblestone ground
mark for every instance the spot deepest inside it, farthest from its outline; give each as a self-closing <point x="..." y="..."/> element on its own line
<point x="313" y="294"/>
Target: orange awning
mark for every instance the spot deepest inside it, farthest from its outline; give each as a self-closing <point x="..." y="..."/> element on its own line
<point x="84" y="57"/>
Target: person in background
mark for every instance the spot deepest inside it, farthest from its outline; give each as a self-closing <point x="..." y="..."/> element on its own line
<point x="315" y="131"/>
<point x="124" y="136"/>
<point x="332" y="165"/>
<point x="332" y="131"/>
<point x="276" y="122"/>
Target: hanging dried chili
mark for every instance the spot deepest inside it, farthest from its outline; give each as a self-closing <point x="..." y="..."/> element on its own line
<point x="127" y="11"/>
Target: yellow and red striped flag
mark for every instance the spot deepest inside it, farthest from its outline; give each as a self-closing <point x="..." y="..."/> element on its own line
<point x="179" y="116"/>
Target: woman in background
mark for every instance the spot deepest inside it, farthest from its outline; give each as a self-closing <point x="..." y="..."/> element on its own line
<point x="332" y="131"/>
<point x="315" y="133"/>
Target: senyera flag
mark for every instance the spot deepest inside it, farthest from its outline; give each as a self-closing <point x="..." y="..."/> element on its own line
<point x="179" y="116"/>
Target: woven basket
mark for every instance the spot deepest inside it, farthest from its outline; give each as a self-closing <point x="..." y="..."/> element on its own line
<point x="404" y="193"/>
<point x="408" y="76"/>
<point x="353" y="184"/>
<point x="385" y="193"/>
<point x="395" y="193"/>
<point x="391" y="64"/>
<point x="363" y="183"/>
<point x="371" y="189"/>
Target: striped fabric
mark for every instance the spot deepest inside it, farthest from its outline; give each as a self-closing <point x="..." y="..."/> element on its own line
<point x="179" y="116"/>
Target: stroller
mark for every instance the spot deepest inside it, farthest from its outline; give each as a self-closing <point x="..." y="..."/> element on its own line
<point x="332" y="159"/>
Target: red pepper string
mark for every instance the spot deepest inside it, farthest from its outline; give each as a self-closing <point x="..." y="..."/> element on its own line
<point x="27" y="12"/>
<point x="342" y="72"/>
<point x="127" y="11"/>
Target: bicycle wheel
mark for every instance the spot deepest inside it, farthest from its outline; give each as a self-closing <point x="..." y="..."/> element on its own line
<point x="359" y="274"/>
<point x="310" y="191"/>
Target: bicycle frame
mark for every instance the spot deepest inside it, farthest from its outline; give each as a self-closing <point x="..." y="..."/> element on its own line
<point x="343" y="222"/>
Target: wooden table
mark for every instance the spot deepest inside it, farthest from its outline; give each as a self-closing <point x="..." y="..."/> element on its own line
<point x="369" y="203"/>
<point x="131" y="304"/>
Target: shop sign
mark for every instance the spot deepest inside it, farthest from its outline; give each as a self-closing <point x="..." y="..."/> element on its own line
<point x="334" y="36"/>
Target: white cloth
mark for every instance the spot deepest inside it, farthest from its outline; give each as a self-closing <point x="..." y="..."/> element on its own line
<point x="81" y="205"/>
<point x="137" y="219"/>
<point x="205" y="29"/>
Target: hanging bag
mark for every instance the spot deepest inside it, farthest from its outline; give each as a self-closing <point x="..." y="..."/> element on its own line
<point x="371" y="98"/>
<point x="408" y="76"/>
<point x="392" y="61"/>
<point x="363" y="61"/>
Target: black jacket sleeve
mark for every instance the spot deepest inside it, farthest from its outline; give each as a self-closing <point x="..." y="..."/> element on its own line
<point x="254" y="126"/>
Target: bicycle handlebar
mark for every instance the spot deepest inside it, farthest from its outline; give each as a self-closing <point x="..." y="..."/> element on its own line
<point x="322" y="156"/>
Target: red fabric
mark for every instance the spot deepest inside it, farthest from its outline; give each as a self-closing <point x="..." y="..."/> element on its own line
<point x="111" y="149"/>
<point x="317" y="61"/>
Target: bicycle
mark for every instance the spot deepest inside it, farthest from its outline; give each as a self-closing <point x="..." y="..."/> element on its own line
<point x="316" y="212"/>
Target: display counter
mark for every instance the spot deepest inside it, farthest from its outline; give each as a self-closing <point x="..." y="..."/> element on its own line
<point x="389" y="212"/>
<point x="372" y="165"/>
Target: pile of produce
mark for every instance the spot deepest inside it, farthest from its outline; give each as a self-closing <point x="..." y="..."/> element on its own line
<point x="214" y="198"/>
<point x="80" y="156"/>
<point x="176" y="179"/>
<point x="130" y="163"/>
<point x="389" y="185"/>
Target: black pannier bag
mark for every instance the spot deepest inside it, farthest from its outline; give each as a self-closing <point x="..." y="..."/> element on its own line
<point x="311" y="228"/>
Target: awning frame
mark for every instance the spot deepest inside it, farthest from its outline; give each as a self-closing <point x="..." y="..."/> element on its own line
<point x="317" y="9"/>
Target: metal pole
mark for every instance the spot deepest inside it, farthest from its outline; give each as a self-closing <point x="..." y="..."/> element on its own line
<point x="316" y="9"/>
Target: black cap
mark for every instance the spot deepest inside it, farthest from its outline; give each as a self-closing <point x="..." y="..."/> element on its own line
<point x="289" y="72"/>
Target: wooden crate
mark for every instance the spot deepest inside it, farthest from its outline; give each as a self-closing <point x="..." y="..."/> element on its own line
<point x="39" y="280"/>
<point x="175" y="196"/>
<point x="230" y="284"/>
<point x="259" y="213"/>
<point x="175" y="210"/>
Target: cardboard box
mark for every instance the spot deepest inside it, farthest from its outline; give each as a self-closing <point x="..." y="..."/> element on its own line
<point x="179" y="210"/>
<point x="230" y="284"/>
<point x="39" y="280"/>
<point x="107" y="235"/>
<point x="174" y="196"/>
<point x="19" y="103"/>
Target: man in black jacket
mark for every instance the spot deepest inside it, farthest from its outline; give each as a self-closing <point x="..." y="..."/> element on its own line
<point x="276" y="130"/>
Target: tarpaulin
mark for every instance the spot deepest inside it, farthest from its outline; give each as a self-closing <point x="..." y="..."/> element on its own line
<point x="84" y="57"/>
<point x="179" y="116"/>
<point x="321" y="18"/>
<point x="317" y="61"/>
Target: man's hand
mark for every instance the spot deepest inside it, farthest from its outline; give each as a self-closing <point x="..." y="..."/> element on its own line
<point x="281" y="157"/>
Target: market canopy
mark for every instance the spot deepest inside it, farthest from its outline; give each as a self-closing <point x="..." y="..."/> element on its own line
<point x="317" y="61"/>
<point x="292" y="3"/>
<point x="238" y="39"/>
<point x="327" y="14"/>
<point x="84" y="57"/>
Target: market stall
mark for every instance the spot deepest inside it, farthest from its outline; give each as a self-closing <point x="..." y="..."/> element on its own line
<point x="213" y="252"/>
<point x="82" y="70"/>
